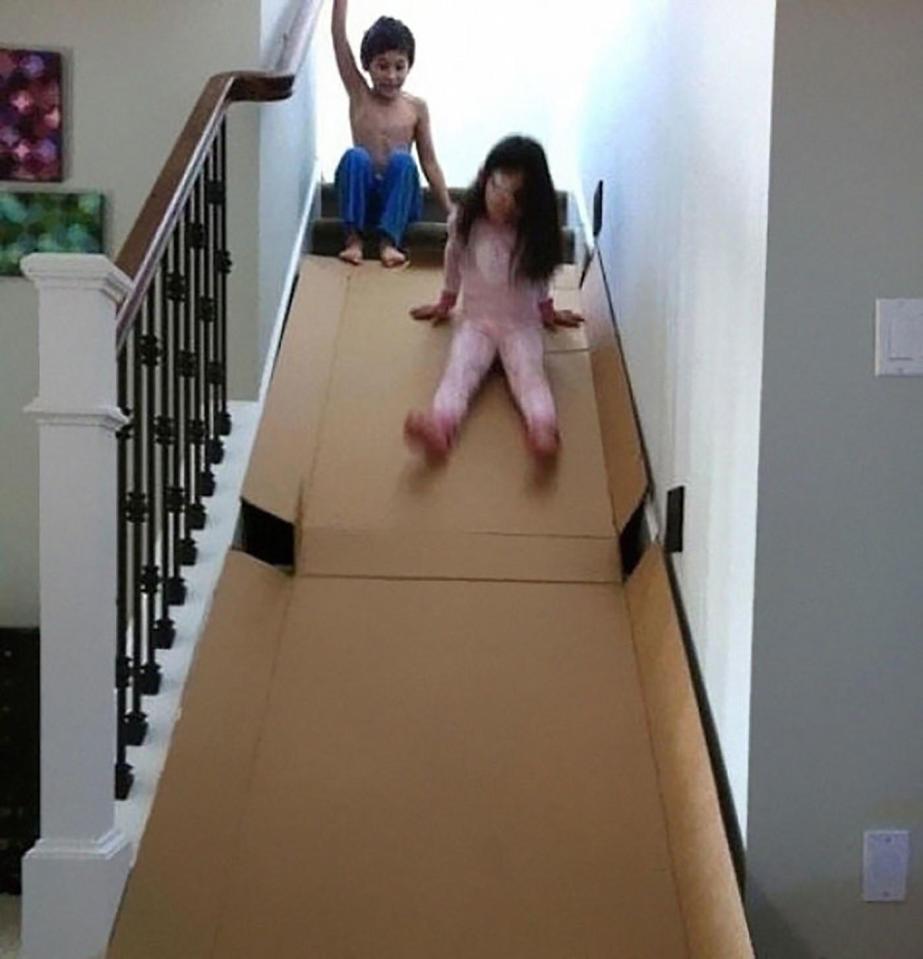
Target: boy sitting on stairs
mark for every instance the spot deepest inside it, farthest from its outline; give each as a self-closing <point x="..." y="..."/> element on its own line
<point x="377" y="181"/>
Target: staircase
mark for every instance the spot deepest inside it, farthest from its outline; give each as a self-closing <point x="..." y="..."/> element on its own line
<point x="425" y="239"/>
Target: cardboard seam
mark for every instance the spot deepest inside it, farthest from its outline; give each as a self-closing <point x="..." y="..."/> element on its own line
<point x="378" y="531"/>
<point x="398" y="578"/>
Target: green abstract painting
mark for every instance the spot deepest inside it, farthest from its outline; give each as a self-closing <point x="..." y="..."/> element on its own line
<point x="48" y="223"/>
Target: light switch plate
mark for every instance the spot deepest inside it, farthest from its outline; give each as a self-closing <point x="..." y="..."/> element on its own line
<point x="885" y="858"/>
<point x="899" y="337"/>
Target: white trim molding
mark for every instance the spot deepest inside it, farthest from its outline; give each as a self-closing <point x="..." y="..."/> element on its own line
<point x="109" y="418"/>
<point x="91" y="272"/>
<point x="291" y="273"/>
<point x="72" y="882"/>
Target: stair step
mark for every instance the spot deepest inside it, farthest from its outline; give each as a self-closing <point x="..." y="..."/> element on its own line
<point x="431" y="210"/>
<point x="424" y="238"/>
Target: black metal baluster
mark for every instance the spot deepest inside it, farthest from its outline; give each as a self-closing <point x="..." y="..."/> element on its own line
<point x="208" y="319"/>
<point x="176" y="585"/>
<point x="136" y="515"/>
<point x="188" y="371"/>
<point x="164" y="432"/>
<point x="150" y="575"/>
<point x="213" y="190"/>
<point x="123" y="770"/>
<point x="186" y="551"/>
<point x="197" y="513"/>
<point x="224" y="268"/>
<point x="165" y="629"/>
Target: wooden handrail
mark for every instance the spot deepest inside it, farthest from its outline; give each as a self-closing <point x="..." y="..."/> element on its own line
<point x="145" y="244"/>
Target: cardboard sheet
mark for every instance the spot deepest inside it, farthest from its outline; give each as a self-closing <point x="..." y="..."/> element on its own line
<point x="177" y="889"/>
<point x="416" y="554"/>
<point x="295" y="402"/>
<point x="710" y="900"/>
<point x="452" y="782"/>
<point x="567" y="278"/>
<point x="625" y="465"/>
<point x="387" y="364"/>
<point x="444" y="736"/>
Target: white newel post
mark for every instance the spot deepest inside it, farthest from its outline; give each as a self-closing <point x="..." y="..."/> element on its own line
<point x="74" y="876"/>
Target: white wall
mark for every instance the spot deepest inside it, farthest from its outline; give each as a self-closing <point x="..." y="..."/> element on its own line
<point x="838" y="623"/>
<point x="485" y="68"/>
<point x="133" y="72"/>
<point x="288" y="165"/>
<point x="676" y="124"/>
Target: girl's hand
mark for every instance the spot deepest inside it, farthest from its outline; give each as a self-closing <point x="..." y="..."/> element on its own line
<point x="555" y="318"/>
<point x="435" y="312"/>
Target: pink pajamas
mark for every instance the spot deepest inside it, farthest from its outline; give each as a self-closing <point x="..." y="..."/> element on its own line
<point x="499" y="314"/>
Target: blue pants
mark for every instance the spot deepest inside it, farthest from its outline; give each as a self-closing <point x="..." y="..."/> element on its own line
<point x="385" y="201"/>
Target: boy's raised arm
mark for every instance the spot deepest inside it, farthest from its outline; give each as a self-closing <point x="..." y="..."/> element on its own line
<point x="427" y="152"/>
<point x="346" y="62"/>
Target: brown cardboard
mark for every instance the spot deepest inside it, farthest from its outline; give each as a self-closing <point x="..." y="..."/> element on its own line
<point x="453" y="769"/>
<point x="444" y="736"/>
<point x="421" y="554"/>
<point x="387" y="364"/>
<point x="295" y="401"/>
<point x="566" y="297"/>
<point x="567" y="277"/>
<point x="625" y="465"/>
<point x="708" y="893"/>
<point x="177" y="889"/>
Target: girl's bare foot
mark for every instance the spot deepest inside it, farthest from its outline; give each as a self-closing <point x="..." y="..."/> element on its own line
<point x="423" y="430"/>
<point x="391" y="256"/>
<point x="352" y="252"/>
<point x="544" y="440"/>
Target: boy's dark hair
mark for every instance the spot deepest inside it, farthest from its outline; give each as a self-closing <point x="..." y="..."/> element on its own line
<point x="384" y="35"/>
<point x="538" y="251"/>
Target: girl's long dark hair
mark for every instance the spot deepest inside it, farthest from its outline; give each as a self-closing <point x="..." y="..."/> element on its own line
<point x="538" y="250"/>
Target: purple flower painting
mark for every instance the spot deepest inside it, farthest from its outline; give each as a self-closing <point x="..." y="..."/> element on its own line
<point x="30" y="115"/>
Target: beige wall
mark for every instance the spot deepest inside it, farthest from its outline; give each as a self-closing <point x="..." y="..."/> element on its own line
<point x="838" y="658"/>
<point x="133" y="71"/>
<point x="18" y="455"/>
<point x="676" y="124"/>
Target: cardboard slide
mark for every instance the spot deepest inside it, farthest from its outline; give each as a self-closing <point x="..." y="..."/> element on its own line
<point x="453" y="731"/>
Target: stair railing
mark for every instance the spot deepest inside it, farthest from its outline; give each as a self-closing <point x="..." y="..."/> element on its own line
<point x="132" y="412"/>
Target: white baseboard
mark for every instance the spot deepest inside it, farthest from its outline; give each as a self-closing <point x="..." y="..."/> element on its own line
<point x="290" y="274"/>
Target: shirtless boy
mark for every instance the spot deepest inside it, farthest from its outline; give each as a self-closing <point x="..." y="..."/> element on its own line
<point x="377" y="181"/>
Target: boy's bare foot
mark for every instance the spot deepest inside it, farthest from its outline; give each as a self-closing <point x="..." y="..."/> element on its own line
<point x="423" y="430"/>
<point x="391" y="256"/>
<point x="352" y="252"/>
<point x="544" y="440"/>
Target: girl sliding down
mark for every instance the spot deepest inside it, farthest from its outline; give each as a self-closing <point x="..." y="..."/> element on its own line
<point x="504" y="245"/>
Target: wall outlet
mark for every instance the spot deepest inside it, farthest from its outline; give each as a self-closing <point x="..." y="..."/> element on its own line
<point x="885" y="858"/>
